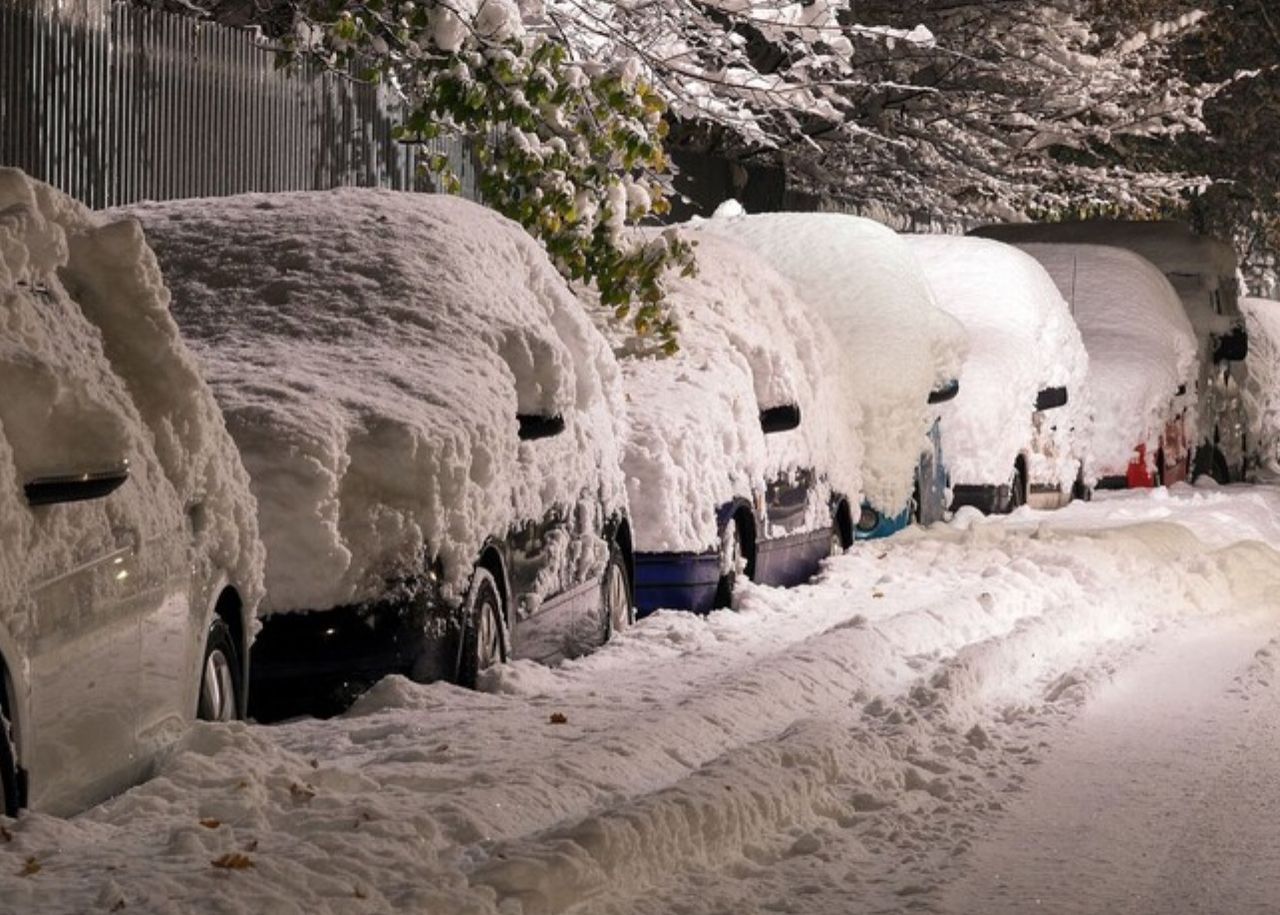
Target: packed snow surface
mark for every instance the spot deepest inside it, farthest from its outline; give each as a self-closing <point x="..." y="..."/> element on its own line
<point x="851" y="742"/>
<point x="1262" y="388"/>
<point x="896" y="343"/>
<point x="371" y="351"/>
<point x="693" y="440"/>
<point x="1022" y="339"/>
<point x="92" y="373"/>
<point x="1141" y="347"/>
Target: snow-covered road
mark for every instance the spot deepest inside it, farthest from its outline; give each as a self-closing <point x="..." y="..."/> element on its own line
<point x="1064" y="706"/>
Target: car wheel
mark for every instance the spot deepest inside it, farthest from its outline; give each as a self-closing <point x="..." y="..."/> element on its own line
<point x="1158" y="479"/>
<point x="10" y="799"/>
<point x="484" y="642"/>
<point x="1017" y="490"/>
<point x="917" y="502"/>
<point x="617" y="612"/>
<point x="731" y="563"/>
<point x="219" y="676"/>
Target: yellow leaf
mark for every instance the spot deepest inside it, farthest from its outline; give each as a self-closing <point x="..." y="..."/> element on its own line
<point x="232" y="861"/>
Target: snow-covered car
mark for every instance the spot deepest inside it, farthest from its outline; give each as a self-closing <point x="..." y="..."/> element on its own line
<point x="1142" y="363"/>
<point x="900" y="353"/>
<point x="430" y="424"/>
<point x="738" y="453"/>
<point x="1010" y="435"/>
<point x="1202" y="271"/>
<point x="130" y="565"/>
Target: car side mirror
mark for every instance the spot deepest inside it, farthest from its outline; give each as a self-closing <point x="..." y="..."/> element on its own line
<point x="76" y="487"/>
<point x="947" y="392"/>
<point x="536" y="425"/>
<point x="1051" y="398"/>
<point x="780" y="419"/>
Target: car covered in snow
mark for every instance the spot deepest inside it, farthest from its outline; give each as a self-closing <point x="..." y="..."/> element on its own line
<point x="1202" y="270"/>
<point x="1262" y="391"/>
<point x="738" y="454"/>
<point x="429" y="420"/>
<point x="130" y="564"/>
<point x="1010" y="434"/>
<point x="1142" y="363"/>
<point x="900" y="353"/>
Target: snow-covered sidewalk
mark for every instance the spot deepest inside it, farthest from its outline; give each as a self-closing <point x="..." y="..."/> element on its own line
<point x="836" y="747"/>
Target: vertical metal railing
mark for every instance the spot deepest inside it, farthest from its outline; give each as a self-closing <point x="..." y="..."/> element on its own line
<point x="113" y="103"/>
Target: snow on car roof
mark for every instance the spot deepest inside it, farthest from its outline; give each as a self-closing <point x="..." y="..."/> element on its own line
<point x="896" y="344"/>
<point x="93" y="370"/>
<point x="1141" y="345"/>
<point x="694" y="440"/>
<point x="1021" y="339"/>
<point x="372" y="350"/>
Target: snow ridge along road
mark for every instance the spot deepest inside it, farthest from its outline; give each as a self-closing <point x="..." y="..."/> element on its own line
<point x="843" y="746"/>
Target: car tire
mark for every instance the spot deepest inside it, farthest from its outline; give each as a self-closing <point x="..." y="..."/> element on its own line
<point x="617" y="610"/>
<point x="731" y="563"/>
<point x="220" y="676"/>
<point x="10" y="796"/>
<point x="1158" y="477"/>
<point x="1017" y="490"/>
<point x="484" y="634"/>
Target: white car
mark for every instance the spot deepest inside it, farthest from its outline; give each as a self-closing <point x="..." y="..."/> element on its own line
<point x="900" y="353"/>
<point x="130" y="565"/>
<point x="1262" y="392"/>
<point x="739" y="452"/>
<point x="1142" y="363"/>
<point x="1010" y="434"/>
<point x="430" y="423"/>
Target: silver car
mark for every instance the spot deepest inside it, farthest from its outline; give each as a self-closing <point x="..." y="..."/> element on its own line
<point x="129" y="557"/>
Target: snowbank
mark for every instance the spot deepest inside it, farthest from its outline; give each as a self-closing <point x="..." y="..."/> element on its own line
<point x="92" y="371"/>
<point x="895" y="344"/>
<point x="1141" y="346"/>
<point x="371" y="351"/>
<point x="694" y="441"/>
<point x="1021" y="340"/>
<point x="1262" y="389"/>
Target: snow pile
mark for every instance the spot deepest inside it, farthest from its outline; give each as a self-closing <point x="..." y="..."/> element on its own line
<point x="371" y="351"/>
<point x="93" y="372"/>
<point x="1021" y="340"/>
<point x="1141" y="346"/>
<point x="863" y="729"/>
<point x="895" y="344"/>
<point x="1262" y="389"/>
<point x="694" y="440"/>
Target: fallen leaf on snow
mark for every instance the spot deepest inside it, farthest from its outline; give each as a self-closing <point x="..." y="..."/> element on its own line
<point x="302" y="794"/>
<point x="558" y="718"/>
<point x="232" y="861"/>
<point x="210" y="823"/>
<point x="31" y="867"/>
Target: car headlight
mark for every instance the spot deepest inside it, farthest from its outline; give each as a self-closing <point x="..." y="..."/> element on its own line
<point x="868" y="519"/>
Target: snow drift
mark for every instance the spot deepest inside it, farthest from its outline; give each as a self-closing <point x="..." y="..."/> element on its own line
<point x="372" y="350"/>
<point x="895" y="344"/>
<point x="1142" y="348"/>
<point x="694" y="441"/>
<point x="93" y="371"/>
<point x="1022" y="339"/>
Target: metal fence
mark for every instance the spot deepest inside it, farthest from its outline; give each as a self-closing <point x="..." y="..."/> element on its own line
<point x="113" y="104"/>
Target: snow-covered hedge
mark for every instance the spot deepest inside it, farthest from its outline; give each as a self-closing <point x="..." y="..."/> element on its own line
<point x="694" y="440"/>
<point x="895" y="344"/>
<point x="372" y="350"/>
<point x="1262" y="389"/>
<point x="1141" y="346"/>
<point x="1022" y="339"/>
<point x="93" y="371"/>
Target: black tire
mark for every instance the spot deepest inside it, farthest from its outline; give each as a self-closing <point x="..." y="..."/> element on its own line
<point x="1219" y="469"/>
<point x="731" y="553"/>
<point x="484" y="636"/>
<point x="1158" y="479"/>
<point x="221" y="686"/>
<point x="917" y="502"/>
<point x="10" y="794"/>
<point x="617" y="610"/>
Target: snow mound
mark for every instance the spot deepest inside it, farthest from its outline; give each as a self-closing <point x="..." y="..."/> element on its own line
<point x="372" y="350"/>
<point x="1021" y="340"/>
<point x="1262" y="389"/>
<point x="694" y="440"/>
<point x="93" y="371"/>
<point x="1141" y="346"/>
<point x="895" y="344"/>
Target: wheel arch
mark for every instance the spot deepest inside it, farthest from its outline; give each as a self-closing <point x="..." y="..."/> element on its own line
<point x="619" y="532"/>
<point x="740" y="511"/>
<point x="842" y="514"/>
